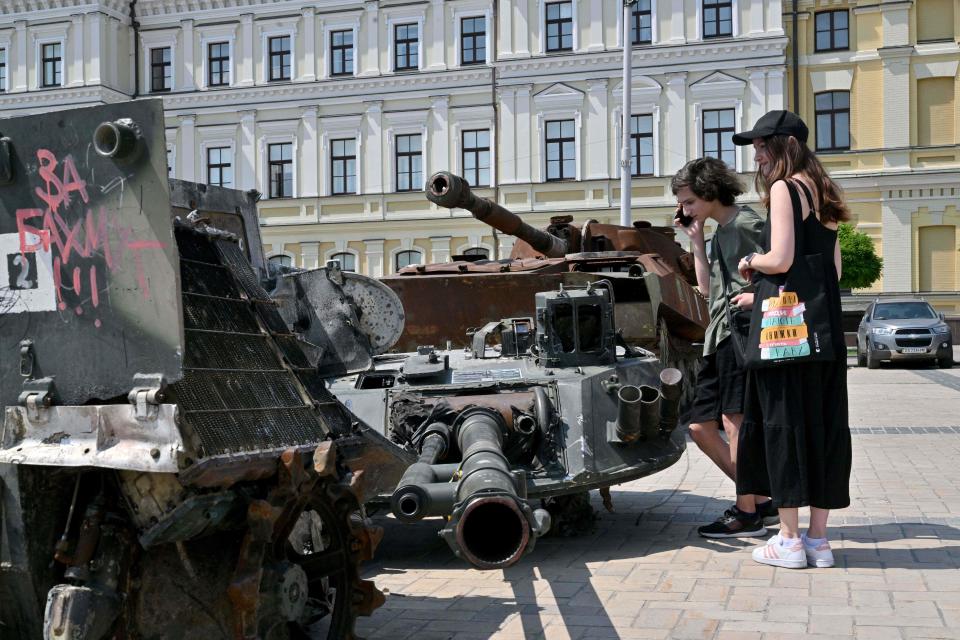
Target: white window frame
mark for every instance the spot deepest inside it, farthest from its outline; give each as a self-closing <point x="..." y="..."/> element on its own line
<point x="719" y="103"/>
<point x="723" y="93"/>
<point x="353" y="24"/>
<point x="273" y="32"/>
<point x="475" y="245"/>
<point x="654" y="27"/>
<point x="38" y="56"/>
<point x="406" y="244"/>
<point x="158" y="40"/>
<point x="5" y="46"/>
<point x="218" y="137"/>
<point x="458" y="16"/>
<point x="644" y="100"/>
<point x="328" y="256"/>
<point x="405" y="123"/>
<point x="542" y="9"/>
<point x="340" y="128"/>
<point x="406" y="18"/>
<point x="213" y="37"/>
<point x="284" y="254"/>
<point x="735" y="27"/>
<point x="470" y="119"/>
<point x="278" y="133"/>
<point x="566" y="105"/>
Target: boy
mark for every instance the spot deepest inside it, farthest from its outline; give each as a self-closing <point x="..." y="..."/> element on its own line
<point x="707" y="189"/>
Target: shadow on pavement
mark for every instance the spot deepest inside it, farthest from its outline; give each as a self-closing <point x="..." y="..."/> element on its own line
<point x="556" y="582"/>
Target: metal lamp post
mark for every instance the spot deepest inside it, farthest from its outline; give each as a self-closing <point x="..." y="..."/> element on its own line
<point x="625" y="189"/>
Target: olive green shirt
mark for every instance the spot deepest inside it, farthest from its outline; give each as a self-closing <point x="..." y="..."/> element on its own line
<point x="737" y="238"/>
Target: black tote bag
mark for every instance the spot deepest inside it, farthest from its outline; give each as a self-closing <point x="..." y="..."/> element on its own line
<point x="790" y="322"/>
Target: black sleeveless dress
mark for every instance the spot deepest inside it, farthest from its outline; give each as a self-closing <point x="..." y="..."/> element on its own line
<point x="794" y="444"/>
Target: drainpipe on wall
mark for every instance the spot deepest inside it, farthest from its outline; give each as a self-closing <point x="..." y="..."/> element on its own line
<point x="795" y="62"/>
<point x="136" y="49"/>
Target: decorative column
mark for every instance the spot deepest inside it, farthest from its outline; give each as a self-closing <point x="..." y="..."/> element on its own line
<point x="245" y="63"/>
<point x="373" y="253"/>
<point x="189" y="82"/>
<point x="598" y="131"/>
<point x="310" y="167"/>
<point x="188" y="151"/>
<point x="776" y="90"/>
<point x="310" y="255"/>
<point x="79" y="59"/>
<point x="596" y="26"/>
<point x="97" y="51"/>
<point x="20" y="69"/>
<point x="372" y="158"/>
<point x="676" y="134"/>
<point x="440" y="135"/>
<point x="521" y="30"/>
<point x="437" y="49"/>
<point x="246" y="159"/>
<point x="755" y="17"/>
<point x="504" y="30"/>
<point x="524" y="132"/>
<point x="896" y="107"/>
<point x="755" y="107"/>
<point x="440" y="249"/>
<point x="371" y="57"/>
<point x="897" y="246"/>
<point x="507" y="151"/>
<point x="113" y="38"/>
<point x="677" y="30"/>
<point x="309" y="44"/>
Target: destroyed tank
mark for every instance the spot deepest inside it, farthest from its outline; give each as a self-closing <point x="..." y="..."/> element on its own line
<point x="556" y="391"/>
<point x="171" y="465"/>
<point x="656" y="304"/>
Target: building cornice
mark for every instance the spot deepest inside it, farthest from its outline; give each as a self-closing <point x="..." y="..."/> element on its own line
<point x="204" y="9"/>
<point x="661" y="59"/>
<point x="40" y="9"/>
<point x="64" y="98"/>
<point x="341" y="90"/>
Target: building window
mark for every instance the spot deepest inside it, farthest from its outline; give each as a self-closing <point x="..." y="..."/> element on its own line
<point x="559" y="26"/>
<point x="220" y="166"/>
<point x="406" y="258"/>
<point x="717" y="18"/>
<point x="409" y="163"/>
<point x="218" y="57"/>
<point x="476" y="157"/>
<point x="348" y="261"/>
<point x="343" y="161"/>
<point x="52" y="65"/>
<point x="833" y="30"/>
<point x="169" y="162"/>
<point x="281" y="169"/>
<point x="561" y="150"/>
<point x="473" y="40"/>
<point x="3" y="70"/>
<point x="279" y="47"/>
<point x="281" y="260"/>
<point x="341" y="53"/>
<point x="641" y="31"/>
<point x="406" y="52"/>
<point x="161" y="70"/>
<point x="833" y="120"/>
<point x="476" y="251"/>
<point x="718" y="135"/>
<point x="641" y="145"/>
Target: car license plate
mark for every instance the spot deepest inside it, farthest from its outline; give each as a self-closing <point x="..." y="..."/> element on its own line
<point x="913" y="350"/>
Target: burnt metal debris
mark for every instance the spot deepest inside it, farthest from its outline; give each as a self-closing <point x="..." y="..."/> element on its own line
<point x="171" y="462"/>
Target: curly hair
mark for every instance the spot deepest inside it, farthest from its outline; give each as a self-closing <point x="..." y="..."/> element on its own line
<point x="710" y="179"/>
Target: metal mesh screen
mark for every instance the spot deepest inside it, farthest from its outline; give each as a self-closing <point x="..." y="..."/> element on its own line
<point x="217" y="315"/>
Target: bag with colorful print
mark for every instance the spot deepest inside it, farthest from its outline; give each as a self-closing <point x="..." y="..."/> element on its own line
<point x="791" y="311"/>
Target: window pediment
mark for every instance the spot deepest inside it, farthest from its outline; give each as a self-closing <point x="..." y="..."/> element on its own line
<point x="718" y="85"/>
<point x="559" y="96"/>
<point x="643" y="90"/>
<point x="832" y="80"/>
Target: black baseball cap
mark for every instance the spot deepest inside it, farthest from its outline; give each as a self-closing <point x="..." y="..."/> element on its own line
<point x="774" y="123"/>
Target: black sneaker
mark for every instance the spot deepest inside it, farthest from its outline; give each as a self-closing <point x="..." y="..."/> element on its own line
<point x="768" y="513"/>
<point x="734" y="524"/>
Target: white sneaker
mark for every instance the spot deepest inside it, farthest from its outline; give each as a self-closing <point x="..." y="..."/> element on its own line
<point x="789" y="556"/>
<point x="819" y="556"/>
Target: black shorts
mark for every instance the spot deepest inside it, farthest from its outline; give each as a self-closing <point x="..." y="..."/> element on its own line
<point x="721" y="385"/>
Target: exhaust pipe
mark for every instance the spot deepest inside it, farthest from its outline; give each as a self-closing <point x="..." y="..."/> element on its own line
<point x="638" y="412"/>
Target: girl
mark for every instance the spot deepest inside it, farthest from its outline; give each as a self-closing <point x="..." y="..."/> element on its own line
<point x="795" y="439"/>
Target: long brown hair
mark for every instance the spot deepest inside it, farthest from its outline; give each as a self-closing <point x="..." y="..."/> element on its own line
<point x="789" y="156"/>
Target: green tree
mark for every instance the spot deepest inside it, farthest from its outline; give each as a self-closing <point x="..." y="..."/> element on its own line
<point x="861" y="264"/>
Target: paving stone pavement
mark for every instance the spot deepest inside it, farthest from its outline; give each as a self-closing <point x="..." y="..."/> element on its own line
<point x="644" y="572"/>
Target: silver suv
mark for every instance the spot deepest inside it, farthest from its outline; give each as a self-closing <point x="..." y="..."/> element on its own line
<point x="903" y="329"/>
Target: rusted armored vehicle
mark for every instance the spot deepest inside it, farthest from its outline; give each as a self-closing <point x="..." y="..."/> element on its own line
<point x="653" y="282"/>
<point x="171" y="464"/>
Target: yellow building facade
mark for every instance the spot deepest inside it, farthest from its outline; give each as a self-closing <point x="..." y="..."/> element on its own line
<point x="877" y="83"/>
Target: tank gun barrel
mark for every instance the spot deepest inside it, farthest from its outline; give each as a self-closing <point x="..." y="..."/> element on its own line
<point x="449" y="190"/>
